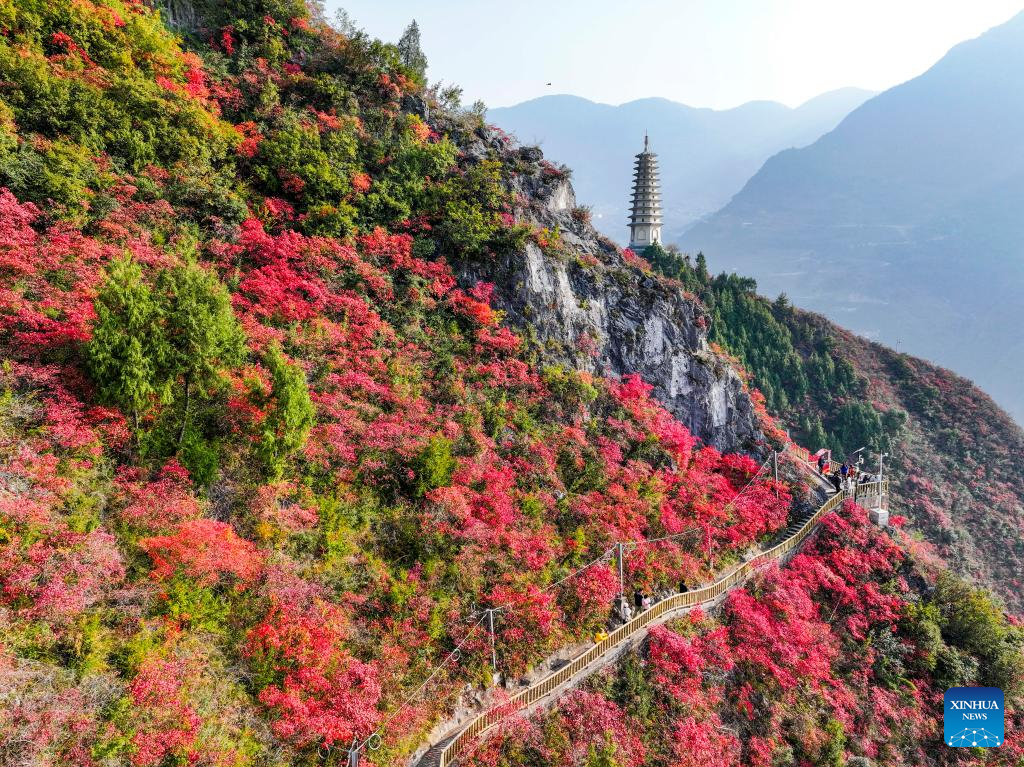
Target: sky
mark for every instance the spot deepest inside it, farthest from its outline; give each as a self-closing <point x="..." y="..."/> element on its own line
<point x="705" y="53"/>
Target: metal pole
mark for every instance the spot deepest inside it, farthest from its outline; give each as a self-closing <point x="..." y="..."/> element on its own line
<point x="353" y="755"/>
<point x="775" y="462"/>
<point x="622" y="576"/>
<point x="494" y="654"/>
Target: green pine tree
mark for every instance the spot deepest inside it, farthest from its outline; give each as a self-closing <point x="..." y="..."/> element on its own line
<point x="127" y="349"/>
<point x="203" y="335"/>
<point x="702" y="269"/>
<point x="410" y="51"/>
<point x="290" y="416"/>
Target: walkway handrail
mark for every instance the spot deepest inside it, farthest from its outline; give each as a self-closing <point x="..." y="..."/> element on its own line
<point x="532" y="694"/>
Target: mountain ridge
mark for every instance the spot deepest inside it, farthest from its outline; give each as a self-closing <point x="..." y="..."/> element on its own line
<point x="705" y="154"/>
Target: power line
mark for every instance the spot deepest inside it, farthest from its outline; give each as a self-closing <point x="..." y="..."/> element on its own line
<point x="577" y="572"/>
<point x="454" y="654"/>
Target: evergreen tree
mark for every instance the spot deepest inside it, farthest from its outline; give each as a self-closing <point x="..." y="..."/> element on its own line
<point x="202" y="333"/>
<point x="410" y="52"/>
<point x="161" y="346"/>
<point x="344" y="23"/>
<point x="127" y="349"/>
<point x="702" y="269"/>
<point x="290" y="416"/>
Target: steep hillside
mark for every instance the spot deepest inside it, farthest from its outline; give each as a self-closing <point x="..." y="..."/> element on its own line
<point x="273" y="452"/>
<point x="953" y="450"/>
<point x="902" y="223"/>
<point x="706" y="155"/>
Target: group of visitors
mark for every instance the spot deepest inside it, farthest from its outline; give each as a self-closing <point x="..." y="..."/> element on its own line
<point x="846" y="477"/>
<point x="642" y="602"/>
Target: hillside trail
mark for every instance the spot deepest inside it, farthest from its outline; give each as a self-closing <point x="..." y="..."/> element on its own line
<point x="459" y="739"/>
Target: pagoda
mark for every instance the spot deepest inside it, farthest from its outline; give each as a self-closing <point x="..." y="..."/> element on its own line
<point x="645" y="217"/>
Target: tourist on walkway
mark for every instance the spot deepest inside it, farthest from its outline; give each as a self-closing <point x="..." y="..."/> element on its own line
<point x="627" y="612"/>
<point x="822" y="462"/>
<point x="600" y="636"/>
<point x="646" y="604"/>
<point x="638" y="599"/>
<point x="682" y="587"/>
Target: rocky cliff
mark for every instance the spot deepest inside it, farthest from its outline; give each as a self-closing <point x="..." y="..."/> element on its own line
<point x="581" y="302"/>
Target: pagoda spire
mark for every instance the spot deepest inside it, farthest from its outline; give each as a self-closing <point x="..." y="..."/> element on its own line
<point x="645" y="213"/>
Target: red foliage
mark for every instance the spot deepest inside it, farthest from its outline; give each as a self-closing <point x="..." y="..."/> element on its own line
<point x="205" y="550"/>
<point x="166" y="725"/>
<point x="529" y="618"/>
<point x="160" y="504"/>
<point x="360" y="182"/>
<point x="283" y="506"/>
<point x="592" y="720"/>
<point x="705" y="742"/>
<point x="779" y="636"/>
<point x="323" y="695"/>
<point x="56" y="578"/>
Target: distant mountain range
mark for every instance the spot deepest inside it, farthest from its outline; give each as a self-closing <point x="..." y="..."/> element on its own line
<point x="905" y="223"/>
<point x="705" y="155"/>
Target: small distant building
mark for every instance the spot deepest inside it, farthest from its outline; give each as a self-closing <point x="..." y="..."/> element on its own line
<point x="645" y="217"/>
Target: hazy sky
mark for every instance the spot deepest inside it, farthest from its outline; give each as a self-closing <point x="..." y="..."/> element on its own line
<point x="713" y="53"/>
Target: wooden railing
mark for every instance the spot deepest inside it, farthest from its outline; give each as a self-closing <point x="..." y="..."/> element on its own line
<point x="709" y="593"/>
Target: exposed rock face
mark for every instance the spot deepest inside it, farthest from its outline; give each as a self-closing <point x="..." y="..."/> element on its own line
<point x="180" y="15"/>
<point x="580" y="304"/>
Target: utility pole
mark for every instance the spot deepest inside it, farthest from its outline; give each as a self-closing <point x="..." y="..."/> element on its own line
<point x="620" y="555"/>
<point x="775" y="463"/>
<point x="490" y="630"/>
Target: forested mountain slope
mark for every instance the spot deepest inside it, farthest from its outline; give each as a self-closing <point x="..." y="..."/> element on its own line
<point x="269" y="444"/>
<point x="831" y="660"/>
